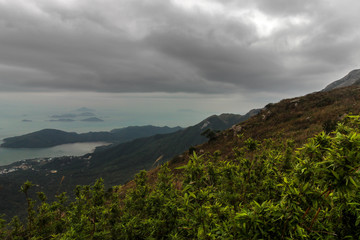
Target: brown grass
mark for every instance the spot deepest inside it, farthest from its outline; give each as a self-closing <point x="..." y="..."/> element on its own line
<point x="296" y="118"/>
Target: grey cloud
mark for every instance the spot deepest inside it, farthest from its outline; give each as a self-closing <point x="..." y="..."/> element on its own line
<point x="240" y="66"/>
<point x="156" y="46"/>
<point x="286" y="8"/>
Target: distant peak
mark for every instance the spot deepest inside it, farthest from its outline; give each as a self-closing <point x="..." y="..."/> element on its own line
<point x="352" y="78"/>
<point x="355" y="71"/>
<point x="85" y="109"/>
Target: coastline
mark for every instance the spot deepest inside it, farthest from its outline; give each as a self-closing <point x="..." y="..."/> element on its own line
<point x="9" y="156"/>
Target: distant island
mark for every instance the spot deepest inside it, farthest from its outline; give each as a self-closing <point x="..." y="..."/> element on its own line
<point x="86" y="114"/>
<point x="62" y="120"/>
<point x="66" y="115"/>
<point x="92" y="119"/>
<point x="85" y="109"/>
<point x="26" y="120"/>
<point x="53" y="137"/>
<point x="79" y="116"/>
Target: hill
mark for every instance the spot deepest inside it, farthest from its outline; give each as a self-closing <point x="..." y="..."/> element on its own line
<point x="148" y="152"/>
<point x="251" y="181"/>
<point x="117" y="164"/>
<point x="52" y="137"/>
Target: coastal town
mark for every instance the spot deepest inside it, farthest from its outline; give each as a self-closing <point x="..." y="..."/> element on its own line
<point x="28" y="164"/>
<point x="37" y="163"/>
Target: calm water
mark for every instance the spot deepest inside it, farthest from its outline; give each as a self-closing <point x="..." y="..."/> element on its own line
<point x="12" y="124"/>
<point x="10" y="155"/>
<point x="15" y="121"/>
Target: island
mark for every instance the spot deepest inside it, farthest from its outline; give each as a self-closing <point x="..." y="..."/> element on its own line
<point x="92" y="119"/>
<point x="53" y="137"/>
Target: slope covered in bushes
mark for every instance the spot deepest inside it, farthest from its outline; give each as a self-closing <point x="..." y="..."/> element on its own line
<point x="268" y="189"/>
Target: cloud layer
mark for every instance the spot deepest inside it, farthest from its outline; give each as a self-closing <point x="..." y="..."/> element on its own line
<point x="177" y="45"/>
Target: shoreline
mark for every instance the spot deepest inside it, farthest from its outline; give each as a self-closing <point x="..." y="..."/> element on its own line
<point x="10" y="156"/>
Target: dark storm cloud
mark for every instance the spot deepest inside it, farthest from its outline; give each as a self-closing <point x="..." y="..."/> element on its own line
<point x="176" y="46"/>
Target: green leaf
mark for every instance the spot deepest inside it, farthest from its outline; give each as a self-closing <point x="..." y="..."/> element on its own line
<point x="306" y="186"/>
<point x="357" y="221"/>
<point x="192" y="195"/>
<point x="285" y="180"/>
<point x="335" y="174"/>
<point x="182" y="167"/>
<point x="353" y="182"/>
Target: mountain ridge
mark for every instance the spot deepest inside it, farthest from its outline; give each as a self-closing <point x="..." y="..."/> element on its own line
<point x="52" y="137"/>
<point x="352" y="78"/>
<point x="274" y="194"/>
<point x="250" y="181"/>
<point x="116" y="164"/>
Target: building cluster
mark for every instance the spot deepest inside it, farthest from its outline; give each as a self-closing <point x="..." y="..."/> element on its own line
<point x="22" y="166"/>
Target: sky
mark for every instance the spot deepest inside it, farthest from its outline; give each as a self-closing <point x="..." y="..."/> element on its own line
<point x="180" y="60"/>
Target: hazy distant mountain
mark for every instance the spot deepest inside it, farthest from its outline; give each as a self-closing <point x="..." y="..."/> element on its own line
<point x="71" y="117"/>
<point x="353" y="78"/>
<point x="52" y="137"/>
<point x="66" y="115"/>
<point x="62" y="120"/>
<point x="85" y="109"/>
<point x="86" y="114"/>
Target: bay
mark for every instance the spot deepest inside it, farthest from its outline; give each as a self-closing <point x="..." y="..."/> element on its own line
<point x="10" y="155"/>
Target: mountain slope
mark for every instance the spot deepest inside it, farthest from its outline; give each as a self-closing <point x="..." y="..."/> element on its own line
<point x="243" y="186"/>
<point x="143" y="152"/>
<point x="116" y="164"/>
<point x="353" y="78"/>
<point x="296" y="118"/>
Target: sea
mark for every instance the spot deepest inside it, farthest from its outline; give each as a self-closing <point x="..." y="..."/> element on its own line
<point x="15" y="121"/>
<point x="11" y="126"/>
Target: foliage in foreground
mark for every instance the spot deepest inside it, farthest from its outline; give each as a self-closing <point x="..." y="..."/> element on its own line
<point x="268" y="190"/>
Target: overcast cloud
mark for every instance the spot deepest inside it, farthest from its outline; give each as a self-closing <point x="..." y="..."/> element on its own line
<point x="185" y="46"/>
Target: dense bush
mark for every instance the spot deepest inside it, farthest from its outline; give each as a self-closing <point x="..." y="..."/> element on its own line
<point x="268" y="190"/>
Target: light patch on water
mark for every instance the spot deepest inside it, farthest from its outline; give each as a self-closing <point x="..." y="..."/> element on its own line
<point x="10" y="155"/>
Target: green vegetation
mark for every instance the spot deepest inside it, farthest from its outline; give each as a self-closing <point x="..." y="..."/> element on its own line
<point x="266" y="189"/>
<point x="115" y="164"/>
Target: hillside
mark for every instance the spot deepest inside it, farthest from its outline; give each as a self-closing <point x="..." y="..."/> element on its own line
<point x="352" y="78"/>
<point x="296" y="118"/>
<point x="52" y="137"/>
<point x="251" y="181"/>
<point x="146" y="153"/>
<point x="117" y="164"/>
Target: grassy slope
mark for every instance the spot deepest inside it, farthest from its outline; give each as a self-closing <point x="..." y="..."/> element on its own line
<point x="116" y="165"/>
<point x="298" y="200"/>
<point x="296" y="118"/>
